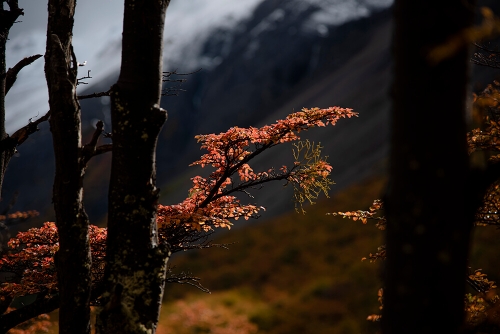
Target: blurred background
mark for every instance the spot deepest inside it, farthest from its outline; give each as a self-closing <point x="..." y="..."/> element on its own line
<point x="251" y="62"/>
<point x="254" y="61"/>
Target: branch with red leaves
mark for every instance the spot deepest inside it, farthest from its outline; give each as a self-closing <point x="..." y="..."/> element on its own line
<point x="211" y="202"/>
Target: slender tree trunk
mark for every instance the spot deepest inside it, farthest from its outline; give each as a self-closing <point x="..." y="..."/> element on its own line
<point x="428" y="221"/>
<point x="7" y="19"/>
<point x="73" y="259"/>
<point x="136" y="264"/>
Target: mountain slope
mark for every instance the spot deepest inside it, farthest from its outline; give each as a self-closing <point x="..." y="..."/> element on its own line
<point x="294" y="274"/>
<point x="346" y="65"/>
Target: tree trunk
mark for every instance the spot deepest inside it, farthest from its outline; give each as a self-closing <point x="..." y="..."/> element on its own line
<point x="136" y="264"/>
<point x="428" y="221"/>
<point x="73" y="260"/>
<point x="7" y="19"/>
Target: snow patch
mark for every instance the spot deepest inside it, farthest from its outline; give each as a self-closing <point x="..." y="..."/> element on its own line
<point x="189" y="24"/>
<point x="338" y="12"/>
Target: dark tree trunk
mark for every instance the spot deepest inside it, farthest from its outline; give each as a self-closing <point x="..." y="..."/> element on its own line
<point x="7" y="79"/>
<point x="136" y="264"/>
<point x="428" y="221"/>
<point x="73" y="260"/>
<point x="8" y="144"/>
<point x="7" y="19"/>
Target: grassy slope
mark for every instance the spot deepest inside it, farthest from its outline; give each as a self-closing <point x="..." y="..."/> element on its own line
<point x="295" y="274"/>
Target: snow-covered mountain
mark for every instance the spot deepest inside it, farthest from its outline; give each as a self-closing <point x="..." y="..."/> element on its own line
<point x="189" y="25"/>
<point x="260" y="60"/>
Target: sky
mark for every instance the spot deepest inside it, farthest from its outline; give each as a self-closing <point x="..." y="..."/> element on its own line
<point x="97" y="39"/>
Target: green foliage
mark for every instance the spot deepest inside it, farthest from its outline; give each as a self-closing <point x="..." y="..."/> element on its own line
<point x="312" y="176"/>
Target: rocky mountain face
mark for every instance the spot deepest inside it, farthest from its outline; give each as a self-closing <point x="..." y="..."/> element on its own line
<point x="269" y="66"/>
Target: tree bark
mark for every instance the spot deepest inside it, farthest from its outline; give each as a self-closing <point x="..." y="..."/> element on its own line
<point x="73" y="259"/>
<point x="429" y="222"/>
<point x="136" y="263"/>
<point x="7" y="19"/>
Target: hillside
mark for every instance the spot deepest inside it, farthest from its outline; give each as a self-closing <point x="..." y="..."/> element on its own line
<point x="298" y="273"/>
<point x="293" y="274"/>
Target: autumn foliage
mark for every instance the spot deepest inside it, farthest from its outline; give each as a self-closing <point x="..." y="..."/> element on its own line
<point x="211" y="202"/>
<point x="31" y="260"/>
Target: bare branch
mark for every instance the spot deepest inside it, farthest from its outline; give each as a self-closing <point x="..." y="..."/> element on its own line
<point x="103" y="149"/>
<point x="23" y="133"/>
<point x="90" y="150"/>
<point x="258" y="182"/>
<point x="11" y="75"/>
<point x="186" y="278"/>
<point x="99" y="128"/>
<point x="20" y="136"/>
<point x="106" y="93"/>
<point x="79" y="80"/>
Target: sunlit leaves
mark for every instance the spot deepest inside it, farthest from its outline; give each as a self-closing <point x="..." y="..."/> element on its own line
<point x="475" y="309"/>
<point x="30" y="262"/>
<point x="231" y="146"/>
<point x="377" y="317"/>
<point x="487" y="139"/>
<point x="312" y="176"/>
<point x="380" y="254"/>
<point x="489" y="211"/>
<point x="483" y="306"/>
<point x="211" y="202"/>
<point x="18" y="215"/>
<point x="374" y="213"/>
<point x="486" y="109"/>
<point x="480" y="282"/>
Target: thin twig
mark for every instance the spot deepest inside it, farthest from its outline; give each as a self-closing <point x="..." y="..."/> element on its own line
<point x="174" y="91"/>
<point x="79" y="80"/>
